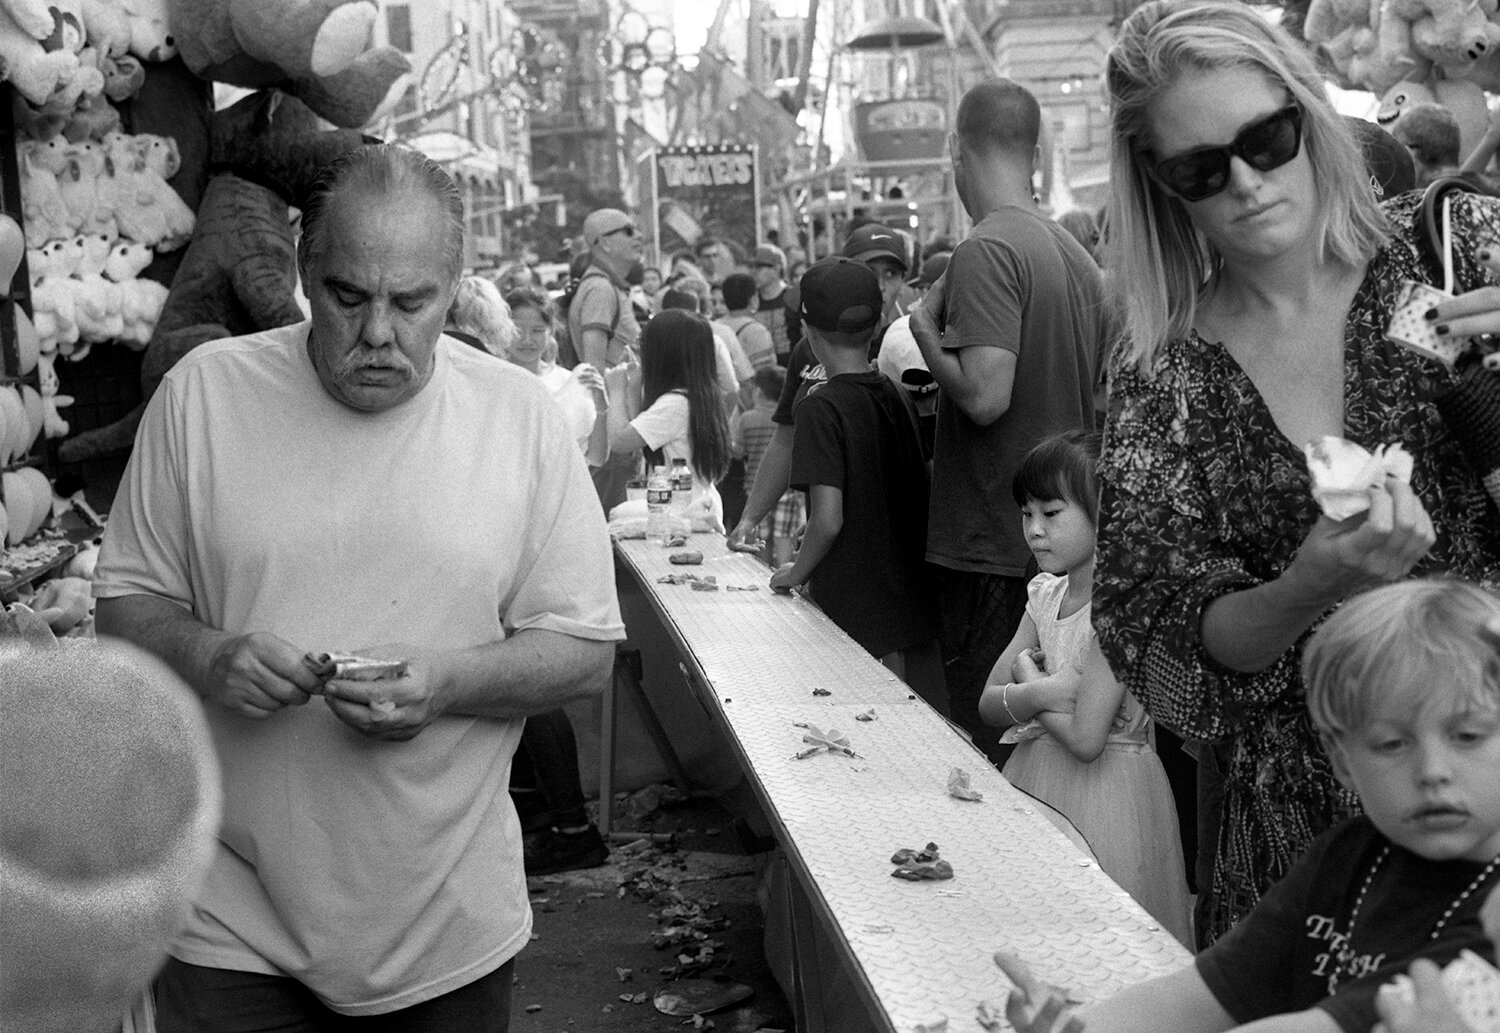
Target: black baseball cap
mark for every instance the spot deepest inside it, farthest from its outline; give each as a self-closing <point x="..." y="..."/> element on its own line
<point x="1389" y="163"/>
<point x="840" y="295"/>
<point x="872" y="241"/>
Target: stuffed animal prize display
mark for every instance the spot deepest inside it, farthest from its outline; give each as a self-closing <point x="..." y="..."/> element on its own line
<point x="98" y="204"/>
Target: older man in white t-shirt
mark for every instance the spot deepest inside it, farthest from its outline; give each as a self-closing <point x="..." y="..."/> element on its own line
<point x="360" y="483"/>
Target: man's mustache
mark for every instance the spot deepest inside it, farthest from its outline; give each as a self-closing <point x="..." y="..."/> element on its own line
<point x="353" y="362"/>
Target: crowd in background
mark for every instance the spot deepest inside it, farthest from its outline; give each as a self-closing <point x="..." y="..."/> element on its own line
<point x="919" y="428"/>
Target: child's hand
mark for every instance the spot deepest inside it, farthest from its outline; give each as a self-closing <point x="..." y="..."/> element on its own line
<point x="1029" y="666"/>
<point x="1034" y="1006"/>
<point x="1058" y="692"/>
<point x="781" y="581"/>
<point x="1428" y="1011"/>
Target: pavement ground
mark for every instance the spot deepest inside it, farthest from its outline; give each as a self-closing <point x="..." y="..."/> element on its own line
<point x="673" y="913"/>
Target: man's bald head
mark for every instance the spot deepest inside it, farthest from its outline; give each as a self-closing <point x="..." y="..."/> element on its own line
<point x="999" y="115"/>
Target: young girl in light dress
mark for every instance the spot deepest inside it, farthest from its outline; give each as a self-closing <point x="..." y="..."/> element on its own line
<point x="1084" y="745"/>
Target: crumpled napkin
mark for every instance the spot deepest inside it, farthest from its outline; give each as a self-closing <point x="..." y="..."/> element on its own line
<point x="1343" y="473"/>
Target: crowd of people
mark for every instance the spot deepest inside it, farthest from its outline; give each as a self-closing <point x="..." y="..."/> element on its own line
<point x="1053" y="475"/>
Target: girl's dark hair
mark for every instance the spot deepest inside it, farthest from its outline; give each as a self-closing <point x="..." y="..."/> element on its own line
<point x="677" y="354"/>
<point x="1064" y="466"/>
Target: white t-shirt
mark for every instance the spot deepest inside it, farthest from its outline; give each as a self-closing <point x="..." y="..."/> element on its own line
<point x="380" y="874"/>
<point x="733" y="367"/>
<point x="664" y="425"/>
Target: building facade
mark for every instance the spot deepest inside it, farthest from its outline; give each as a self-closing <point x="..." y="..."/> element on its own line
<point x="467" y="109"/>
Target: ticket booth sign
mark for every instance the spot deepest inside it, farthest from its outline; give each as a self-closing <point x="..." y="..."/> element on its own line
<point x="702" y="191"/>
<point x="901" y="130"/>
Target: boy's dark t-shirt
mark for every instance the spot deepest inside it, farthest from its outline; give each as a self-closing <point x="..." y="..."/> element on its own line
<point x="853" y="433"/>
<point x="803" y="373"/>
<point x="1280" y="956"/>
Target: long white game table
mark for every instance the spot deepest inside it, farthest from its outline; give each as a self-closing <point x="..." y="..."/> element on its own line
<point x="917" y="953"/>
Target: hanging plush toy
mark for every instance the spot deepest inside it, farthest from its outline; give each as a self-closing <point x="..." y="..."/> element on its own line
<point x="53" y="425"/>
<point x="315" y="50"/>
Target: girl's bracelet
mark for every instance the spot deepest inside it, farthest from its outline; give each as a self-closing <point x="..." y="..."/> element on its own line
<point x="1005" y="702"/>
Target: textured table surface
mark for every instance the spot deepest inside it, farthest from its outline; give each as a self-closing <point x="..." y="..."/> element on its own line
<point x="924" y="947"/>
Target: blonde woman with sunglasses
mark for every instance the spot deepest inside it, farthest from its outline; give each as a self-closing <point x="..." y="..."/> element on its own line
<point x="1256" y="276"/>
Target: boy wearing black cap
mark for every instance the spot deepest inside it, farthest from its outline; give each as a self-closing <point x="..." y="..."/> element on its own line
<point x="856" y="454"/>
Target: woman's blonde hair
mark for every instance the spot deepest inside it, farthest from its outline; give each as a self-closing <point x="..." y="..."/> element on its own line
<point x="479" y="309"/>
<point x="1158" y="260"/>
<point x="1400" y="642"/>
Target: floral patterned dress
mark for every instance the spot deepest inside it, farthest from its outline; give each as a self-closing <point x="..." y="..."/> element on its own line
<point x="1202" y="496"/>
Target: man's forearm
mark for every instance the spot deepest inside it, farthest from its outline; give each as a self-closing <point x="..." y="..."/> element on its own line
<point x="162" y="628"/>
<point x="531" y="671"/>
<point x="594" y="349"/>
<point x="979" y="400"/>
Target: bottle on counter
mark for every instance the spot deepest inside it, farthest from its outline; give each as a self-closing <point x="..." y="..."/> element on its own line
<point x="682" y="493"/>
<point x="658" y="505"/>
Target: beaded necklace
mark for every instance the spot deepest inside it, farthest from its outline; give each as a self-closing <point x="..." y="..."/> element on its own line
<point x="1346" y="954"/>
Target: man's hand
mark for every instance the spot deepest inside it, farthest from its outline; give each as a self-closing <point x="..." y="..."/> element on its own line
<point x="394" y="709"/>
<point x="1035" y="1007"/>
<point x="258" y="674"/>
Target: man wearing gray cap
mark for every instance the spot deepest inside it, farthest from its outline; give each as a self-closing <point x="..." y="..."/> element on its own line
<point x="605" y="332"/>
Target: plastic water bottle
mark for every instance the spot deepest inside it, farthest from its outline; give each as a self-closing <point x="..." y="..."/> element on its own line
<point x="682" y="493"/>
<point x="658" y="506"/>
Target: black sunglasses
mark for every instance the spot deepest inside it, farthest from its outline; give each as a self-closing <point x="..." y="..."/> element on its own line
<point x="629" y="231"/>
<point x="1264" y="145"/>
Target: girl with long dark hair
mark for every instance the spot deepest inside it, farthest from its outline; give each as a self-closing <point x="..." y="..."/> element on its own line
<point x="680" y="411"/>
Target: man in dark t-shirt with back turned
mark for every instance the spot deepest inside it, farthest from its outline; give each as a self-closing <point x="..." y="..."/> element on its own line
<point x="1012" y="334"/>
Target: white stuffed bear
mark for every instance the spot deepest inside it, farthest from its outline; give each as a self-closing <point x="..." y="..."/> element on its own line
<point x="53" y="425"/>
<point x="67" y="37"/>
<point x="84" y="191"/>
<point x="150" y="30"/>
<point x="141" y="301"/>
<point x="97" y="305"/>
<point x="34" y="17"/>
<point x="162" y="160"/>
<point x="52" y="297"/>
<point x="40" y="73"/>
<point x="146" y="208"/>
<point x="65" y="256"/>
<point x="43" y="213"/>
<point x="107" y="26"/>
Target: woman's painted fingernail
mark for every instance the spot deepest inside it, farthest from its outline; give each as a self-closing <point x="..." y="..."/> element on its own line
<point x="1430" y="314"/>
<point x="1441" y="328"/>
